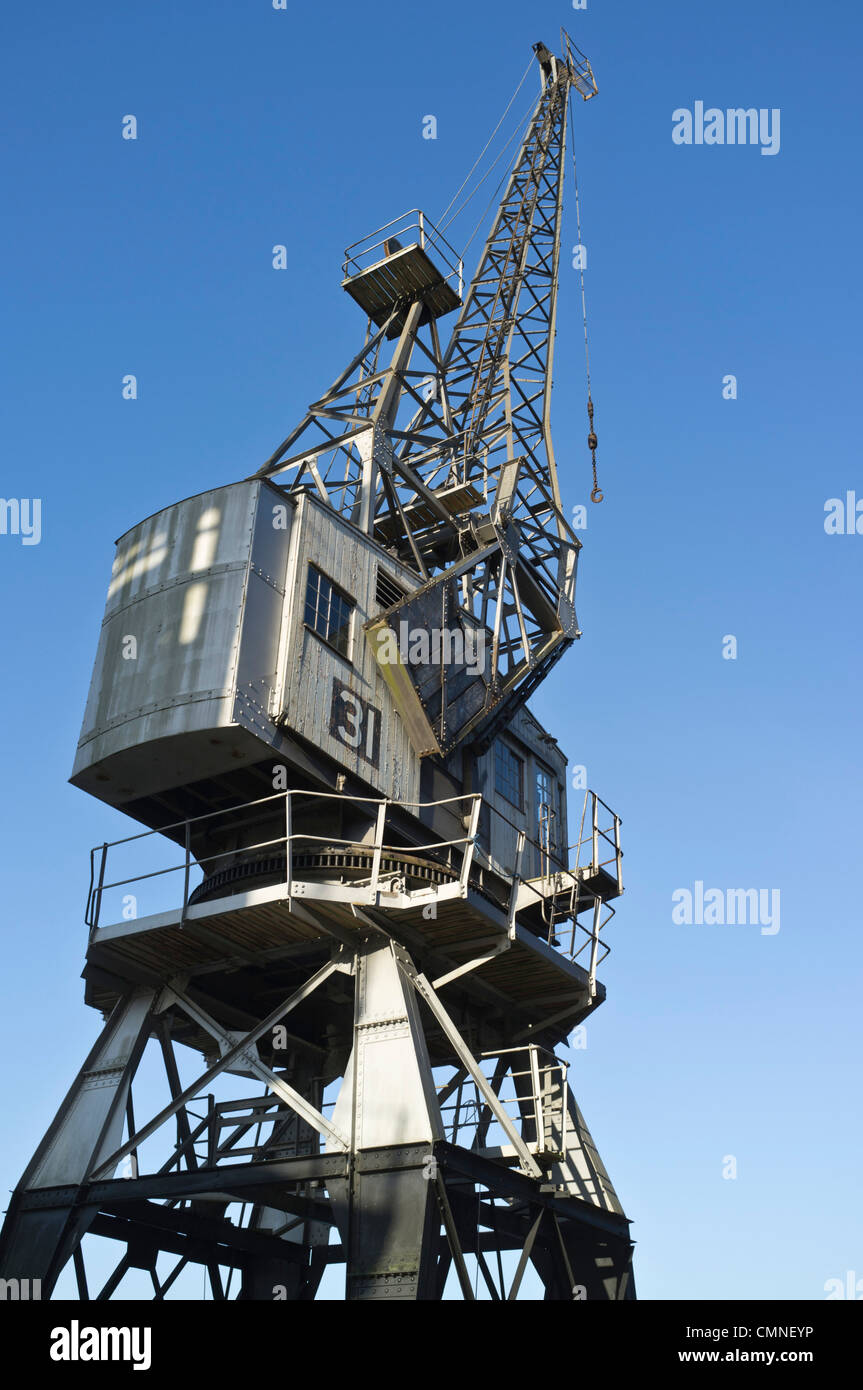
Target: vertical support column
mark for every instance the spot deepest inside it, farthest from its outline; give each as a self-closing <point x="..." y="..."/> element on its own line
<point x="383" y="417"/>
<point x="387" y="1212"/>
<point x="89" y="1126"/>
<point x="294" y="1137"/>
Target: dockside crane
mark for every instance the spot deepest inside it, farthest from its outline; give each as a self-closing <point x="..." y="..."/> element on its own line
<point x="351" y="930"/>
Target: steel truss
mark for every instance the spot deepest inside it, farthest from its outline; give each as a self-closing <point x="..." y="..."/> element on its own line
<point x="444" y="454"/>
<point x="405" y="1203"/>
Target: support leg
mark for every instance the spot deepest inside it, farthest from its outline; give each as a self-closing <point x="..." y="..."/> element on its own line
<point x="387" y="1211"/>
<point x="89" y="1125"/>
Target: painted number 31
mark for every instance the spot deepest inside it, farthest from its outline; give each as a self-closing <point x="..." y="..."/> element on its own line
<point x="355" y="722"/>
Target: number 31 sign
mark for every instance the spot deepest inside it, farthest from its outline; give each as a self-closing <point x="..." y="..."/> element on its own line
<point x="355" y="722"/>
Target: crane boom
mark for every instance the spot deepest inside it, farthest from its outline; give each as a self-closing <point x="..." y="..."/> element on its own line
<point x="444" y="454"/>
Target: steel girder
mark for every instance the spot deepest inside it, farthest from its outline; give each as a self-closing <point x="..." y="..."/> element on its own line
<point x="407" y="1204"/>
<point x="445" y="455"/>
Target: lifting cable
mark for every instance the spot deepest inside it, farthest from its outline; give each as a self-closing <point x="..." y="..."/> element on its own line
<point x="520" y="130"/>
<point x="592" y="442"/>
<point x="596" y="494"/>
<point x="441" y="223"/>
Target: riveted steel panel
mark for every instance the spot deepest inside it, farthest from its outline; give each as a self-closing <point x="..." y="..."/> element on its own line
<point x="188" y="652"/>
<point x="369" y="739"/>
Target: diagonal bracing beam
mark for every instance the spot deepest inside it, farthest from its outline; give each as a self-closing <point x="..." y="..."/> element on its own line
<point x="234" y="1054"/>
<point x="277" y="1084"/>
<point x="426" y="991"/>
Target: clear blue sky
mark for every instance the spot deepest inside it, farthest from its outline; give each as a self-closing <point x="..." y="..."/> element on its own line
<point x="153" y="257"/>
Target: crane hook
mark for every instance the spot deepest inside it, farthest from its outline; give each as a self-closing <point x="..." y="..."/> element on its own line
<point x="593" y="444"/>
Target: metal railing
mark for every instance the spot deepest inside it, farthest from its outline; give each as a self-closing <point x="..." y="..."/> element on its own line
<point x="604" y="840"/>
<point x="373" y="249"/>
<point x="561" y="889"/>
<point x="537" y="1101"/>
<point x="580" y="70"/>
<point x="293" y="841"/>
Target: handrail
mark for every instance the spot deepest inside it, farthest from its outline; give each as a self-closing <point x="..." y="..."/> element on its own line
<point x="277" y="796"/>
<point x="561" y="856"/>
<point x="538" y="1103"/>
<point x="359" y="251"/>
<point x="383" y="805"/>
<point x="548" y="886"/>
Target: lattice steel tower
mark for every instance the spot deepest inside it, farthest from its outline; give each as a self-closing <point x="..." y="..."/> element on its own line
<point x="355" y="894"/>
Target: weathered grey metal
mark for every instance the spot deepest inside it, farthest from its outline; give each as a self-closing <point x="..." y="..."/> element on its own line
<point x="381" y="270"/>
<point x="371" y="879"/>
<point x="149" y="728"/>
<point x="445" y="454"/>
<point x="396" y="1177"/>
<point x="387" y="1103"/>
<point x="309" y="668"/>
<point x="36" y="1242"/>
<point x="187" y="659"/>
<point x="212" y="594"/>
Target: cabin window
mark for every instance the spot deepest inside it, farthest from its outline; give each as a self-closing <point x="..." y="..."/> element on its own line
<point x="548" y="830"/>
<point x="328" y="610"/>
<point x="509" y="774"/>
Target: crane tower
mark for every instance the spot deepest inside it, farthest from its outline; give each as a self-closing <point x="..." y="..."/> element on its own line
<point x="338" y="959"/>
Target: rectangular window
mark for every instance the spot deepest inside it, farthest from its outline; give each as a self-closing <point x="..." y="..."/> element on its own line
<point x="328" y="611"/>
<point x="546" y="807"/>
<point x="508" y="774"/>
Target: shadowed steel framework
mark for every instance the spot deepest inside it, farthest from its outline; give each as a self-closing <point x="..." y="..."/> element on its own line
<point x="337" y="960"/>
